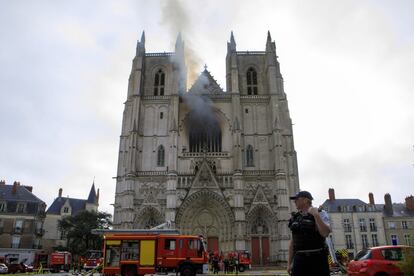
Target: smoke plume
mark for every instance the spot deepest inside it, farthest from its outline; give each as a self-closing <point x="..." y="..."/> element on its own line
<point x="176" y="18"/>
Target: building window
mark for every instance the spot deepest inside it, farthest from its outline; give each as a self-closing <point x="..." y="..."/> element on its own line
<point x="3" y="207"/>
<point x="249" y="156"/>
<point x="161" y="156"/>
<point x="161" y="115"/>
<point x="394" y="240"/>
<point x="66" y="210"/>
<point x="362" y="225"/>
<point x="375" y="240"/>
<point x="204" y="133"/>
<point x="20" y="207"/>
<point x="63" y="235"/>
<point x="18" y="226"/>
<point x="347" y="226"/>
<point x="1" y="226"/>
<point x="407" y="239"/>
<point x="159" y="83"/>
<point x="391" y="225"/>
<point x="404" y="224"/>
<point x="251" y="81"/>
<point x="349" y="243"/>
<point x="372" y="225"/>
<point x="15" y="242"/>
<point x="364" y="239"/>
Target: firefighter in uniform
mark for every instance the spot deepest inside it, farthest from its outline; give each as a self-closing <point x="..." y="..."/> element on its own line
<point x="308" y="254"/>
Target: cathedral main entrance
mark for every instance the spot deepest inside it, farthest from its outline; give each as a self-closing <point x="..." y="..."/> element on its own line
<point x="207" y="213"/>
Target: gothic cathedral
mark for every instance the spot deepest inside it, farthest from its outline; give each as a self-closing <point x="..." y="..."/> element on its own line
<point x="217" y="163"/>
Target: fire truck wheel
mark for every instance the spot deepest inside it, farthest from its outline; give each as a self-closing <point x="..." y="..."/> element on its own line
<point x="129" y="270"/>
<point x="242" y="268"/>
<point x="187" y="270"/>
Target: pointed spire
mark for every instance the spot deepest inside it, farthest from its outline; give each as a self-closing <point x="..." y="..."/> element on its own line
<point x="232" y="41"/>
<point x="270" y="46"/>
<point x="232" y="45"/>
<point x="141" y="45"/>
<point x="179" y="44"/>
<point x="143" y="38"/>
<point x="269" y="37"/>
<point x="92" y="193"/>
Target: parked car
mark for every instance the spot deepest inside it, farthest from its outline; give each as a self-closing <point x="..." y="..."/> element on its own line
<point x="27" y="268"/>
<point x="3" y="268"/>
<point x="380" y="260"/>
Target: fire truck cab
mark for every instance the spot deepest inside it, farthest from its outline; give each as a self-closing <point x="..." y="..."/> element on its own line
<point x="140" y="252"/>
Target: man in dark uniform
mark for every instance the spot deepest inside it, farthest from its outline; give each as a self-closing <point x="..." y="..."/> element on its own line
<point x="308" y="254"/>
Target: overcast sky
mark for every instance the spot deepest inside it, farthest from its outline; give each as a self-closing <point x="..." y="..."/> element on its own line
<point x="348" y="68"/>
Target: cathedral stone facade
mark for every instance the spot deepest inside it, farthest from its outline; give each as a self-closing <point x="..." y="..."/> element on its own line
<point x="217" y="163"/>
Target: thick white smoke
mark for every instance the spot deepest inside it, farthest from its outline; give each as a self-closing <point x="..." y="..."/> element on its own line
<point x="176" y="18"/>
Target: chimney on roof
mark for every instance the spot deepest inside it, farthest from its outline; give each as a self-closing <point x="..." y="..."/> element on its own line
<point x="2" y="182"/>
<point x="29" y="188"/>
<point x="388" y="204"/>
<point x="331" y="192"/>
<point x="60" y="192"/>
<point x="371" y="198"/>
<point x="14" y="189"/>
<point x="409" y="202"/>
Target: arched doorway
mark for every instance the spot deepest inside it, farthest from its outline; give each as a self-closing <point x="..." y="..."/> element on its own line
<point x="260" y="225"/>
<point x="207" y="213"/>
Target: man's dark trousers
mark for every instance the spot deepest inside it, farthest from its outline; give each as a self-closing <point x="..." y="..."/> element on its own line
<point x="315" y="264"/>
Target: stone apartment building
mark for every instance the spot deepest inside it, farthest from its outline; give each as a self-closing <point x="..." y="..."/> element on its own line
<point x="61" y="207"/>
<point x="213" y="162"/>
<point x="355" y="224"/>
<point x="21" y="222"/>
<point x="398" y="220"/>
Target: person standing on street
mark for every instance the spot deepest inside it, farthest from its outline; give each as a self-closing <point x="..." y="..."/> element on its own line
<point x="308" y="254"/>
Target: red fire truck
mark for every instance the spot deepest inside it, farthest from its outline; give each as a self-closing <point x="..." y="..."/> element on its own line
<point x="91" y="259"/>
<point x="60" y="260"/>
<point x="242" y="257"/>
<point x="139" y="252"/>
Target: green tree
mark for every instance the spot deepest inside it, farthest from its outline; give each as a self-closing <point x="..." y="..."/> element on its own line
<point x="77" y="230"/>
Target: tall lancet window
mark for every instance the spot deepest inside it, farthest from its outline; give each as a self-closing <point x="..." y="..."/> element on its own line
<point x="249" y="156"/>
<point x="161" y="156"/>
<point x="251" y="81"/>
<point x="159" y="83"/>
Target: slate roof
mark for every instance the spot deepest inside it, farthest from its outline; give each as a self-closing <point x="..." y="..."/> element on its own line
<point x="92" y="194"/>
<point x="205" y="84"/>
<point x="332" y="205"/>
<point x="76" y="204"/>
<point x="400" y="210"/>
<point x="22" y="194"/>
